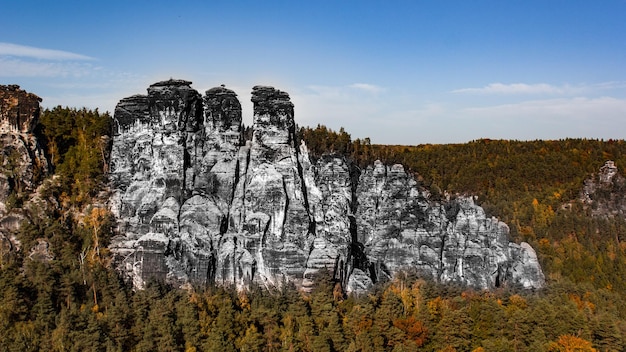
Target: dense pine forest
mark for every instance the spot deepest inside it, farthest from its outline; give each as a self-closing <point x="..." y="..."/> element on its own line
<point x="71" y="300"/>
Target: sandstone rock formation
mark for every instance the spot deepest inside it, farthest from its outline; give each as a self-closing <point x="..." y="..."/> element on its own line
<point x="21" y="159"/>
<point x="197" y="204"/>
<point x="452" y="241"/>
<point x="22" y="162"/>
<point x="605" y="192"/>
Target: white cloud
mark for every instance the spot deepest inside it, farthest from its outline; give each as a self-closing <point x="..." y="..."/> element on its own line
<point x="518" y="88"/>
<point x="99" y="92"/>
<point x="589" y="109"/>
<point x="578" y="117"/>
<point x="540" y="88"/>
<point x="608" y="85"/>
<point x="104" y="101"/>
<point x="19" y="68"/>
<point x="9" y="49"/>
<point x="26" y="61"/>
<point x="326" y="92"/>
<point x="371" y="88"/>
<point x="352" y="90"/>
<point x="353" y="106"/>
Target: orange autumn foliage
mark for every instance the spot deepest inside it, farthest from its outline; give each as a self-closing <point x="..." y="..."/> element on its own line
<point x="413" y="328"/>
<point x="570" y="343"/>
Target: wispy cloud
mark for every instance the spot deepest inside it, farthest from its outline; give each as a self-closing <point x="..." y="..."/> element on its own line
<point x="579" y="107"/>
<point x="9" y="49"/>
<point x="547" y="119"/>
<point x="27" y="61"/>
<point x="540" y="88"/>
<point x="20" y="68"/>
<point x="371" y="88"/>
<point x="350" y="105"/>
<point x="347" y="92"/>
<point x="515" y="88"/>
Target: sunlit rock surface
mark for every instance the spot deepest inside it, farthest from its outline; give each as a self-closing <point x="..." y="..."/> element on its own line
<point x="23" y="164"/>
<point x="22" y="160"/>
<point x="197" y="204"/>
<point x="452" y="241"/>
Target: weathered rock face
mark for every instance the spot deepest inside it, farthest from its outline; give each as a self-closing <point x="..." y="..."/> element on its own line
<point x="19" y="109"/>
<point x="23" y="164"/>
<point x="161" y="166"/>
<point x="197" y="205"/>
<point x="452" y="242"/>
<point x="605" y="192"/>
<point x="22" y="161"/>
<point x="330" y="195"/>
<point x="275" y="206"/>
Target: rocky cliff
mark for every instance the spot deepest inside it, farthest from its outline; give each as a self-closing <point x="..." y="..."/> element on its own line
<point x="197" y="204"/>
<point x="21" y="159"/>
<point x="22" y="162"/>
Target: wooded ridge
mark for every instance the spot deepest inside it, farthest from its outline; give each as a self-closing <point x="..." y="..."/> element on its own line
<point x="59" y="293"/>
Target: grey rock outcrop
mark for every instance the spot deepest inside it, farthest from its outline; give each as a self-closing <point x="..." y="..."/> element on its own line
<point x="23" y="164"/>
<point x="197" y="204"/>
<point x="19" y="110"/>
<point x="22" y="161"/>
<point x="452" y="241"/>
<point x="605" y="192"/>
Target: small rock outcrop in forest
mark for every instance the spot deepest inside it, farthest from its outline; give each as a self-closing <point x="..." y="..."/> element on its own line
<point x="195" y="203"/>
<point x="605" y="192"/>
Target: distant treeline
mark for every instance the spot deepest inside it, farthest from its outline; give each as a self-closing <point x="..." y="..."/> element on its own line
<point x="525" y="184"/>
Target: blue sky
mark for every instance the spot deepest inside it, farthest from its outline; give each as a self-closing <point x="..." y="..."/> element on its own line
<point x="399" y="72"/>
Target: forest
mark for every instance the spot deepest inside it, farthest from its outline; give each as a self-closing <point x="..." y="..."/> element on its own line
<point x="76" y="302"/>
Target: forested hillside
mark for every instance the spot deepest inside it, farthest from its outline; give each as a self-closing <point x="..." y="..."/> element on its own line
<point x="70" y="299"/>
<point x="531" y="185"/>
